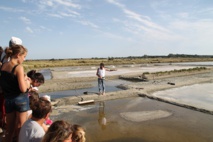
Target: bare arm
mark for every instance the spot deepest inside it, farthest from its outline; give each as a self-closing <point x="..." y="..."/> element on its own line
<point x="24" y="83"/>
<point x="110" y="69"/>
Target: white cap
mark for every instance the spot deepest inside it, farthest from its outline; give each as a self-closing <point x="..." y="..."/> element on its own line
<point x="16" y="40"/>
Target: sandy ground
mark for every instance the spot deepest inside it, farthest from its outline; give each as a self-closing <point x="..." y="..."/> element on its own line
<point x="70" y="80"/>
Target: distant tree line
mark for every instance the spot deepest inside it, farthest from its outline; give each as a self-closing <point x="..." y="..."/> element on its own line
<point x="170" y="56"/>
<point x="135" y="57"/>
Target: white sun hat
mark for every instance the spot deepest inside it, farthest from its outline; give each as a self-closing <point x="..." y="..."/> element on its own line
<point x="16" y="40"/>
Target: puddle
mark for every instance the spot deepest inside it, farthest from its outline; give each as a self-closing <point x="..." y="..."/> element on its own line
<point x="46" y="73"/>
<point x="111" y="86"/>
<point x="140" y="116"/>
<point x="103" y="121"/>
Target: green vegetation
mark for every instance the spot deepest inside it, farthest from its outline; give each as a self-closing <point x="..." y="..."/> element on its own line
<point x="36" y="64"/>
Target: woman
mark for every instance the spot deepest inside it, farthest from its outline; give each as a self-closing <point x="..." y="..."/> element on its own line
<point x="59" y="131"/>
<point x="14" y="86"/>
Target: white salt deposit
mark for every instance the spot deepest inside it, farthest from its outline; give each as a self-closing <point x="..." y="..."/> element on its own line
<point x="140" y="116"/>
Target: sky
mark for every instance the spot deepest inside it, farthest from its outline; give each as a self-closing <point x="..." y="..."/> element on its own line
<point x="63" y="29"/>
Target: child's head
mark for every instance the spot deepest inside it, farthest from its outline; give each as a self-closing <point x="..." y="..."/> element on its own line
<point x="41" y="109"/>
<point x="78" y="133"/>
<point x="36" y="77"/>
<point x="59" y="131"/>
<point x="33" y="97"/>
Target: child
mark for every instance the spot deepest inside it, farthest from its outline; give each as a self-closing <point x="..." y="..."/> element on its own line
<point x="37" y="79"/>
<point x="32" y="129"/>
<point x="34" y="98"/>
<point x="78" y="134"/>
<point x="48" y="121"/>
<point x="59" y="131"/>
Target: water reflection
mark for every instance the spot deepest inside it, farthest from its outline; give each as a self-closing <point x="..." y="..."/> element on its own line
<point x="46" y="73"/>
<point x="101" y="116"/>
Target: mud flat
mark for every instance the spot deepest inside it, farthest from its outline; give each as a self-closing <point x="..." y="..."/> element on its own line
<point x="130" y="117"/>
<point x="68" y="80"/>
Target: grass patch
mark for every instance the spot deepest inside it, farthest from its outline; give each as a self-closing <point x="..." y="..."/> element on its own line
<point x="37" y="64"/>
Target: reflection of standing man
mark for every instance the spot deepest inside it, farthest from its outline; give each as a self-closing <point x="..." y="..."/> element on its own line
<point x="101" y="77"/>
<point x="102" y="119"/>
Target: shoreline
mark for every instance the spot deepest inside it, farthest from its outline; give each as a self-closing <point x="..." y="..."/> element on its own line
<point x="135" y="89"/>
<point x="129" y="104"/>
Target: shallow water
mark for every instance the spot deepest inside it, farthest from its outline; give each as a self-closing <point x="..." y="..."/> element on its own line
<point x="112" y="121"/>
<point x="104" y="123"/>
<point x="46" y="73"/>
<point x="110" y="86"/>
<point x="195" y="63"/>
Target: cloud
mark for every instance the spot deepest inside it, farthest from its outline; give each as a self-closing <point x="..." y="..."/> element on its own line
<point x="28" y="29"/>
<point x="116" y="3"/>
<point x="25" y="20"/>
<point x="145" y="20"/>
<point x="55" y="15"/>
<point x="67" y="3"/>
<point x="58" y="8"/>
<point x="88" y="23"/>
<point x="58" y="3"/>
<point x="9" y="9"/>
<point x="64" y="14"/>
<point x="73" y="12"/>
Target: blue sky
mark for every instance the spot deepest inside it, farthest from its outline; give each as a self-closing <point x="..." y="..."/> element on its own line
<point x="108" y="28"/>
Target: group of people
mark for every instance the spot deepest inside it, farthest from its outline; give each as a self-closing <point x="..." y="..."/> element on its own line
<point x="25" y="115"/>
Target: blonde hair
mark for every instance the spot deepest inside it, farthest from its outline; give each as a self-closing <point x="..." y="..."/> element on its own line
<point x="15" y="49"/>
<point x="78" y="133"/>
<point x="58" y="132"/>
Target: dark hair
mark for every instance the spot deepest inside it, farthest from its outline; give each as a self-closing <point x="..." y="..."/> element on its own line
<point x="102" y="64"/>
<point x="41" y="108"/>
<point x="33" y="98"/>
<point x="1" y="49"/>
<point x="58" y="131"/>
<point x="33" y="75"/>
<point x="14" y="50"/>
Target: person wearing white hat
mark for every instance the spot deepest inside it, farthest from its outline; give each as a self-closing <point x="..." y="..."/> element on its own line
<point x="15" y="40"/>
<point x="14" y="86"/>
<point x="4" y="59"/>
